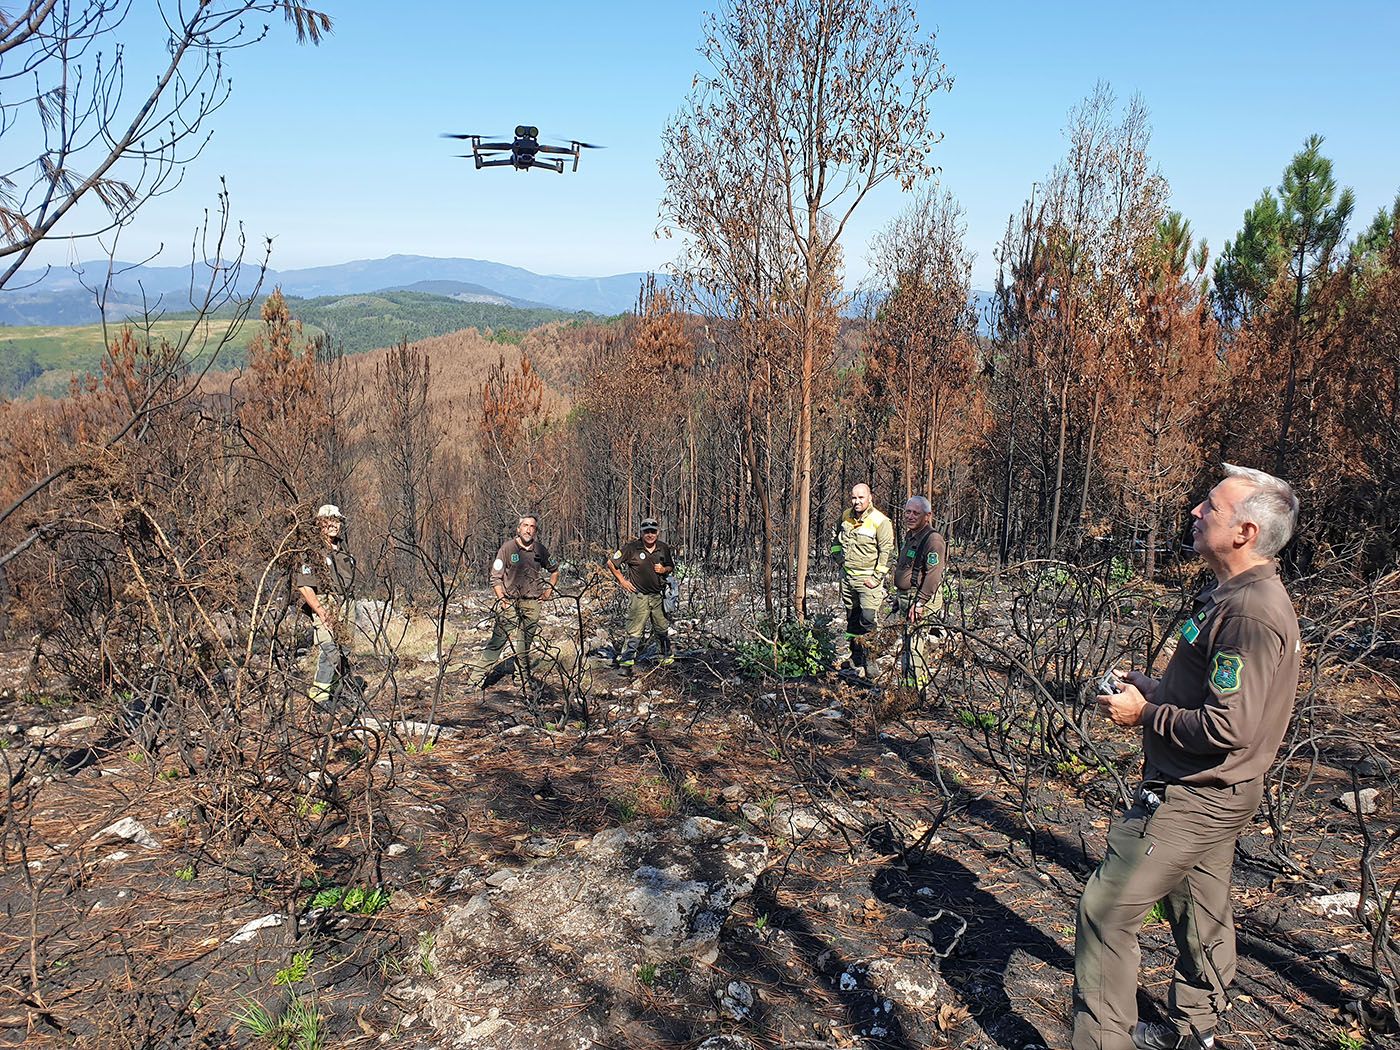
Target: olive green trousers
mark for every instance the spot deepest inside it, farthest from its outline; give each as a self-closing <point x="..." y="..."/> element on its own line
<point x="1180" y="854"/>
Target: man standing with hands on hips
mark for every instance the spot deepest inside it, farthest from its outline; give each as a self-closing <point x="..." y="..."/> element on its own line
<point x="1211" y="727"/>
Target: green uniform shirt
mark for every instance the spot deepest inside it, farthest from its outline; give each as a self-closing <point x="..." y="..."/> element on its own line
<point x="523" y="572"/>
<point x="640" y="564"/>
<point x="1224" y="703"/>
<point x="865" y="545"/>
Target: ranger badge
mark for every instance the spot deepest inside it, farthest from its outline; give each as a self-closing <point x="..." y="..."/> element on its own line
<point x="1225" y="672"/>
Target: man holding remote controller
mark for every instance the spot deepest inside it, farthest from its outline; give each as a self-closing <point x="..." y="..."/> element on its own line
<point x="1211" y="728"/>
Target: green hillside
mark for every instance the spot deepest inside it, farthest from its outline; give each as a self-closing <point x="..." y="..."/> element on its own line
<point x="41" y="360"/>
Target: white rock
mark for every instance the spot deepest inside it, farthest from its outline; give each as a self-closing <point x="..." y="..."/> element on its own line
<point x="396" y="849"/>
<point x="131" y="829"/>
<point x="910" y="981"/>
<point x="1341" y="905"/>
<point x="737" y="1001"/>
<point x="505" y="879"/>
<point x="249" y="930"/>
<point x="1365" y="802"/>
<point x="49" y="732"/>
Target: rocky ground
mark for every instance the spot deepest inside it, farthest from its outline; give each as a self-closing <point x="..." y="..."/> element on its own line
<point x="704" y="861"/>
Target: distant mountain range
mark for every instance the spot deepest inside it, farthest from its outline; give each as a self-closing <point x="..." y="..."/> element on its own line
<point x="61" y="297"/>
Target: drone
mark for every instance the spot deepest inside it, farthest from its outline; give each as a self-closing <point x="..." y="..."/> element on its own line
<point x="524" y="151"/>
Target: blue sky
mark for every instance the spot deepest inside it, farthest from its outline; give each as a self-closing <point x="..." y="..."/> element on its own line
<point x="334" y="151"/>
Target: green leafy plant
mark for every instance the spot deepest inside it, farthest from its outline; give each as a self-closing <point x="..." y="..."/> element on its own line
<point x="790" y="649"/>
<point x="427" y="941"/>
<point x="625" y="806"/>
<point x="295" y="972"/>
<point x="186" y="873"/>
<point x="978" y="720"/>
<point x="355" y="900"/>
<point x="306" y="807"/>
<point x="646" y="973"/>
<point x="1157" y="915"/>
<point x="1350" y="1041"/>
<point x="297" y="1027"/>
<point x="761" y="923"/>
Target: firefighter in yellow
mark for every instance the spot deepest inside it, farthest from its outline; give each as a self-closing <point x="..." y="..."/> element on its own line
<point x="864" y="545"/>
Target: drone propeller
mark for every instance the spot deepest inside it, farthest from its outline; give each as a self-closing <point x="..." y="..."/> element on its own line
<point x="586" y="145"/>
<point x="465" y="135"/>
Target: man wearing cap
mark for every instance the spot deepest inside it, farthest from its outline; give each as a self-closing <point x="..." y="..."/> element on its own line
<point x="640" y="567"/>
<point x="325" y="589"/>
<point x="864" y="545"/>
<point x="1211" y="728"/>
<point x="918" y="585"/>
<point x="523" y="574"/>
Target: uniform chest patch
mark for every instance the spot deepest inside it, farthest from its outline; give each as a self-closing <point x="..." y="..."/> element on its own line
<point x="910" y="554"/>
<point x="1190" y="630"/>
<point x="1225" y="672"/>
<point x="514" y="558"/>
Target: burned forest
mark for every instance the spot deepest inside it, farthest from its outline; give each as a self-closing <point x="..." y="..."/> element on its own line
<point x="721" y="840"/>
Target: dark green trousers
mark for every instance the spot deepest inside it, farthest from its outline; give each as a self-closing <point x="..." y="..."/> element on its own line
<point x="1182" y="855"/>
<point x="862" y="605"/>
<point x="644" y="610"/>
<point x="517" y="622"/>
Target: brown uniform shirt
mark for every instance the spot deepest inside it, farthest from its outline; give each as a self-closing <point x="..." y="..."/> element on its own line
<point x="1224" y="702"/>
<point x="639" y="564"/>
<point x="920" y="563"/>
<point x="523" y="572"/>
<point x="332" y="575"/>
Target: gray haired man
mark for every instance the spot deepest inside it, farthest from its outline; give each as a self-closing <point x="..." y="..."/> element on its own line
<point x="1211" y="727"/>
<point x="918" y="588"/>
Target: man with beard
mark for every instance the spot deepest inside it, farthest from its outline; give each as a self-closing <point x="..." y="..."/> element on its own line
<point x="523" y="575"/>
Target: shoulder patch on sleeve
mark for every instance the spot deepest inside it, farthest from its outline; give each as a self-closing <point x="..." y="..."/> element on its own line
<point x="617" y="554"/>
<point x="1225" y="672"/>
<point x="497" y="565"/>
<point x="932" y="559"/>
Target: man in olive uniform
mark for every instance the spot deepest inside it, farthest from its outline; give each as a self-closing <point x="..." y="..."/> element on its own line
<point x="523" y="574"/>
<point x="918" y="585"/>
<point x="325" y="588"/>
<point x="1211" y="728"/>
<point x="646" y="562"/>
<point x="864" y="545"/>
